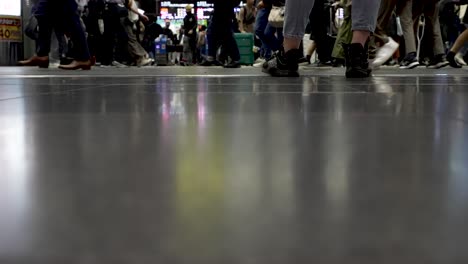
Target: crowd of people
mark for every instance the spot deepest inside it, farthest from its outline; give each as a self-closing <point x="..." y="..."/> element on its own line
<point x="116" y="33"/>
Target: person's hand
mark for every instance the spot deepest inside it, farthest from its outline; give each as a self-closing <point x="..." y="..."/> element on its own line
<point x="260" y="5"/>
<point x="144" y="18"/>
<point x="190" y="32"/>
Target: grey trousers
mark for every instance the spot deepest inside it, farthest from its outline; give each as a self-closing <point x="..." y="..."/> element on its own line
<point x="364" y="16"/>
<point x="410" y="14"/>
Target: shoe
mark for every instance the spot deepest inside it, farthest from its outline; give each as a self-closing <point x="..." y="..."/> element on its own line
<point x="76" y="65"/>
<point x="439" y="61"/>
<point x="41" y="62"/>
<point x="357" y="64"/>
<point x="65" y="60"/>
<point x="325" y="64"/>
<point x="232" y="65"/>
<point x="144" y="62"/>
<point x="385" y="52"/>
<point x="118" y="64"/>
<point x="338" y="63"/>
<point x="207" y="63"/>
<point x="303" y="61"/>
<point x="259" y="62"/>
<point x="460" y="60"/>
<point x="284" y="64"/>
<point x="452" y="62"/>
<point x="410" y="61"/>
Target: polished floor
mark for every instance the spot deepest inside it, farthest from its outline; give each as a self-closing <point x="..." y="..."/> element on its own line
<point x="214" y="166"/>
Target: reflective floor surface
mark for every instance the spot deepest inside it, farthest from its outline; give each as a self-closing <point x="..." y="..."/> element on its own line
<point x="209" y="166"/>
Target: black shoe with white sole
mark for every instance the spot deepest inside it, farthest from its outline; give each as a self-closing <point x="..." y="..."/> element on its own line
<point x="439" y="61"/>
<point x="410" y="61"/>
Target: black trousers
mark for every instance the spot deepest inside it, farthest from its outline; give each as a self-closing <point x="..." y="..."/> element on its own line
<point x="220" y="34"/>
<point x="113" y="30"/>
<point x="62" y="15"/>
<point x="319" y="25"/>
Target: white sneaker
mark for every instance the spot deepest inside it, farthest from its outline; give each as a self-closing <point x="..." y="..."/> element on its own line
<point x="144" y="62"/>
<point x="118" y="64"/>
<point x="385" y="52"/>
<point x="259" y="62"/>
<point x="460" y="60"/>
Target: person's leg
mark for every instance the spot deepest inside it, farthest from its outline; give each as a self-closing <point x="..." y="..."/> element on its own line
<point x="232" y="49"/>
<point x="364" y="19"/>
<point x="136" y="51"/>
<point x="45" y="35"/>
<point x="385" y="14"/>
<point x="273" y="43"/>
<point x="295" y="22"/>
<point x="405" y="11"/>
<point x="72" y="22"/>
<point x="460" y="42"/>
<point x="261" y="24"/>
<point x="111" y="21"/>
<point x="344" y="36"/>
<point x="431" y="12"/>
<point x="211" y="40"/>
<point x="388" y="46"/>
<point x="319" y="29"/>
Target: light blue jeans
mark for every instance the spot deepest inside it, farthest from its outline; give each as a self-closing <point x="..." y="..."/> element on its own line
<point x="364" y="16"/>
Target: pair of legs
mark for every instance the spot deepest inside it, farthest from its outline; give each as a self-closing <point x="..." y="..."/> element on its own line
<point x="364" y="17"/>
<point x="266" y="33"/>
<point x="52" y="13"/>
<point x="410" y="12"/>
<point x="319" y="34"/>
<point x="135" y="50"/>
<point x="60" y="14"/>
<point x="217" y="35"/>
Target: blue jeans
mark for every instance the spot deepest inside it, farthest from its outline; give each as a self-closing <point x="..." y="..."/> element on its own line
<point x="266" y="33"/>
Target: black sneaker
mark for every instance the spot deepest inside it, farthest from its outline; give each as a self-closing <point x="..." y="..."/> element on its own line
<point x="452" y="62"/>
<point x="232" y="65"/>
<point x="410" y="61"/>
<point x="439" y="61"/>
<point x="284" y="64"/>
<point x="357" y="64"/>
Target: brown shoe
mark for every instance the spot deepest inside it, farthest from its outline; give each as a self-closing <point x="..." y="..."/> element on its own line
<point x="42" y="62"/>
<point x="76" y="65"/>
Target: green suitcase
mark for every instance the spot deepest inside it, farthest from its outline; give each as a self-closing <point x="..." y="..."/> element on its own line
<point x="245" y="42"/>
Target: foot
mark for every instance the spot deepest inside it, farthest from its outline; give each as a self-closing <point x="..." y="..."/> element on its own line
<point x="452" y="62"/>
<point x="385" y="52"/>
<point x="439" y="61"/>
<point x="232" y="65"/>
<point x="76" y="65"/>
<point x="259" y="62"/>
<point x="144" y="62"/>
<point x="207" y="63"/>
<point x="284" y="64"/>
<point x="41" y="62"/>
<point x="357" y="65"/>
<point x="410" y="61"/>
<point x="460" y="60"/>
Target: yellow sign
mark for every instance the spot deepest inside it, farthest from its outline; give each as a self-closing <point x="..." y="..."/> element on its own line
<point x="10" y="29"/>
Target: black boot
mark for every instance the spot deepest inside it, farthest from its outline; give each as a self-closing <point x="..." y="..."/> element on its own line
<point x="357" y="65"/>
<point x="284" y="64"/>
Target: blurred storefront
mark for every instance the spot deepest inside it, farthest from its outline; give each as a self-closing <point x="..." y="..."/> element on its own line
<point x="11" y="33"/>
